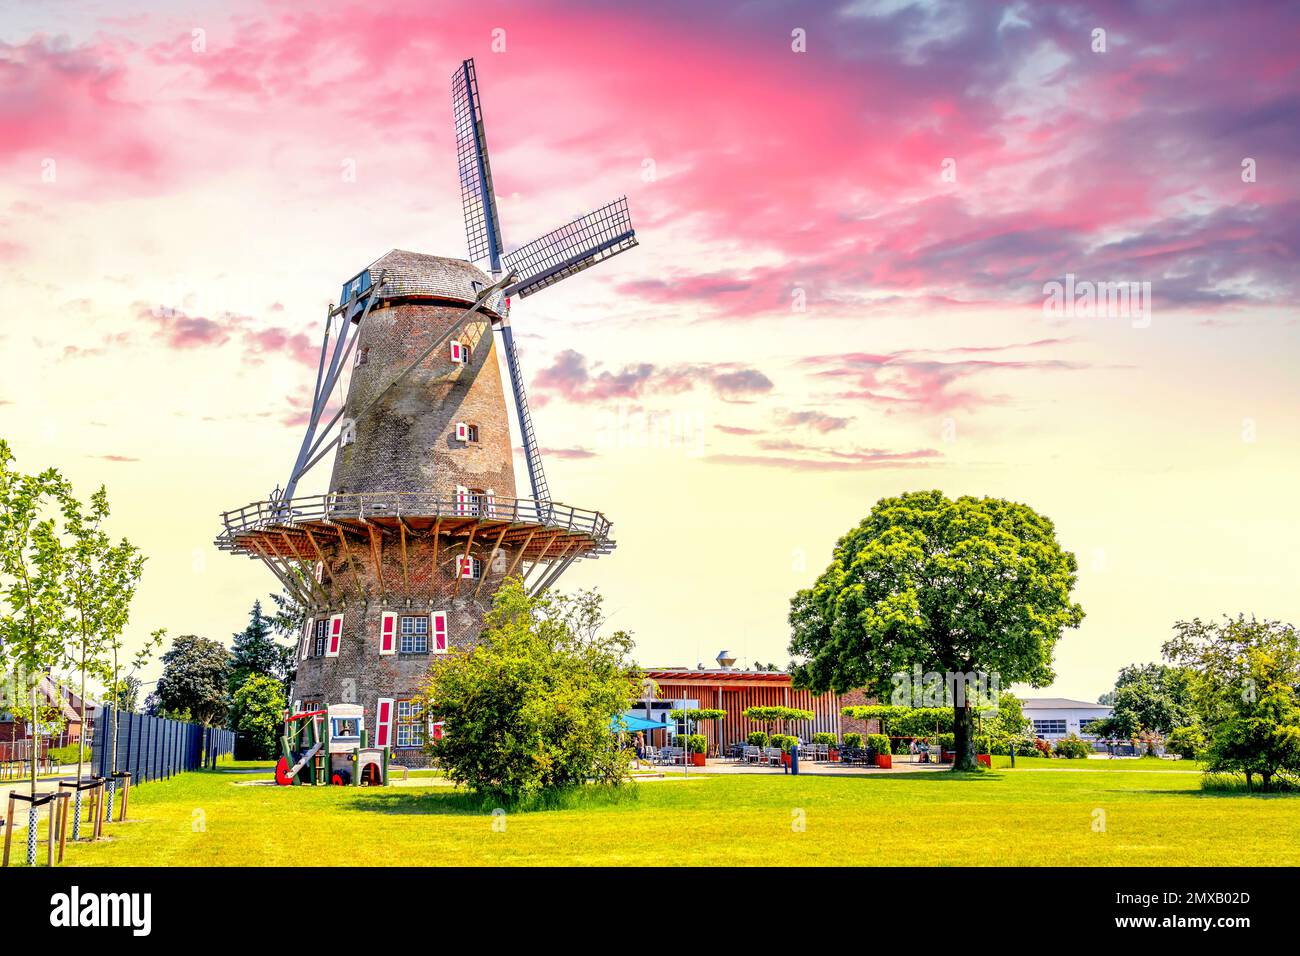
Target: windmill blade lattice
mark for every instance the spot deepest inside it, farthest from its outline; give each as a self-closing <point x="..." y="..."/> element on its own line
<point x="482" y="225"/>
<point x="575" y="246"/>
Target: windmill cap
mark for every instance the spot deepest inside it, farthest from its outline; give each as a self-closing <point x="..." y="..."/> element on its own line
<point x="417" y="275"/>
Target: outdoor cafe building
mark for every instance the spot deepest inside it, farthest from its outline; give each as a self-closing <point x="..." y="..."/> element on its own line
<point x="732" y="690"/>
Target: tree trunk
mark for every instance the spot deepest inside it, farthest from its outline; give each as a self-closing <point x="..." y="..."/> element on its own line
<point x="963" y="727"/>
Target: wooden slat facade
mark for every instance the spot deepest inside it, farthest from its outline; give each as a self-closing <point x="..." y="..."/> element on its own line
<point x="734" y="691"/>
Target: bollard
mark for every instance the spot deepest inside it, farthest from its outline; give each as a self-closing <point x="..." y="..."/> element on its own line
<point x="794" y="759"/>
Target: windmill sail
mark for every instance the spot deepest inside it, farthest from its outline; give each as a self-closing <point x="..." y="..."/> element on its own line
<point x="532" y="454"/>
<point x="482" y="227"/>
<point x="575" y="246"/>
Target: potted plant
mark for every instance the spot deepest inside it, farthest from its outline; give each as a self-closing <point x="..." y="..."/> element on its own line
<point x="759" y="738"/>
<point x="832" y="745"/>
<point x="853" y="741"/>
<point x="880" y="744"/>
<point x="697" y="746"/>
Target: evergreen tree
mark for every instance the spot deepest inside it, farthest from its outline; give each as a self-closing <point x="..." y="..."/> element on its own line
<point x="255" y="652"/>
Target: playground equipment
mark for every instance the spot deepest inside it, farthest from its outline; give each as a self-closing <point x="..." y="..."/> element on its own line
<point x="324" y="747"/>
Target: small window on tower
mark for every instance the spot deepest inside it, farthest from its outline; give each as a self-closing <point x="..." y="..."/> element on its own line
<point x="466" y="432"/>
<point x="322" y="635"/>
<point x="469" y="567"/>
<point x="363" y="355"/>
<point x="459" y="353"/>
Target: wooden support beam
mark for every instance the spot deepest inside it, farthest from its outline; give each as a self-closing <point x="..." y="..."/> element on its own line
<point x="455" y="588"/>
<point x="320" y="555"/>
<point x="491" y="556"/>
<point x="352" y="562"/>
<point x="519" y="557"/>
<point x="437" y="536"/>
<point x="377" y="555"/>
<point x="538" y="560"/>
<point x="406" y="577"/>
<point x="312" y="583"/>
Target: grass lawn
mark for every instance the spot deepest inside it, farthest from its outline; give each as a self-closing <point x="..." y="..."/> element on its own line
<point x="1038" y="814"/>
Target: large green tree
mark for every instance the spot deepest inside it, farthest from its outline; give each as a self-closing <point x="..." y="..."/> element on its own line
<point x="194" y="680"/>
<point x="953" y="586"/>
<point x="256" y="652"/>
<point x="529" y="709"/>
<point x="1147" y="699"/>
<point x="1247" y="692"/>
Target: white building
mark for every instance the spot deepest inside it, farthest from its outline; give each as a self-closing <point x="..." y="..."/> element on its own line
<point x="1055" y="717"/>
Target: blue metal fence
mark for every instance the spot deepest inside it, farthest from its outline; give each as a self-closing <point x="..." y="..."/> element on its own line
<point x="154" y="748"/>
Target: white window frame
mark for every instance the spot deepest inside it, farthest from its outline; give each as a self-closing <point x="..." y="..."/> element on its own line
<point x="415" y="633"/>
<point x="412" y="721"/>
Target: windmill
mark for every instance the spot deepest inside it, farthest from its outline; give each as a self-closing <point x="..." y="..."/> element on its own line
<point x="397" y="562"/>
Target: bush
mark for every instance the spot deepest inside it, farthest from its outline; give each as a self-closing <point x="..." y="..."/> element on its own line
<point x="853" y="740"/>
<point x="68" y="754"/>
<point x="1187" y="742"/>
<point x="945" y="741"/>
<point x="784" y="741"/>
<point x="528" y="709"/>
<point x="1072" y="747"/>
<point x="697" y="744"/>
<point x="1043" y="747"/>
<point x="759" y="738"/>
<point x="824" y="738"/>
<point x="878" y="743"/>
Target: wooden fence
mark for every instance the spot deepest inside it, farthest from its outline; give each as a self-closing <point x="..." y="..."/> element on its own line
<point x="154" y="748"/>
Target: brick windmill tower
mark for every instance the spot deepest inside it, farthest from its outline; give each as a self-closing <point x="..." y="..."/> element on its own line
<point x="398" y="562"/>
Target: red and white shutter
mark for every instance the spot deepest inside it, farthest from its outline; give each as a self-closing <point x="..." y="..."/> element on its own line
<point x="462" y="500"/>
<point x="336" y="636"/>
<point x="306" y="638"/>
<point x="439" y="621"/>
<point x="457" y="352"/>
<point x="387" y="633"/>
<point x="383" y="721"/>
<point x="435" y="730"/>
<point x="489" y="502"/>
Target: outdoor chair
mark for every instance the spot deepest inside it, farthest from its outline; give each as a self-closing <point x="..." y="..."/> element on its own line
<point x="772" y="755"/>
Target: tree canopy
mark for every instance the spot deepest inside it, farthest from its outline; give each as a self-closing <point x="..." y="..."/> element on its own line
<point x="1148" y="699"/>
<point x="955" y="586"/>
<point x="194" y="680"/>
<point x="1245" y="679"/>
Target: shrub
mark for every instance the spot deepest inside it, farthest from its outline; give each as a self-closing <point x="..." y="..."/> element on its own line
<point x="824" y="738"/>
<point x="853" y="740"/>
<point x="945" y="741"/>
<point x="68" y="754"/>
<point x="697" y="744"/>
<point x="878" y="743"/>
<point x="1024" y="747"/>
<point x="528" y="709"/>
<point x="759" y="738"/>
<point x="1187" y="742"/>
<point x="1043" y="747"/>
<point x="784" y="741"/>
<point x="1072" y="747"/>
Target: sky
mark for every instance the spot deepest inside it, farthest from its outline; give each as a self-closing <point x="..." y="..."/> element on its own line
<point x="850" y="215"/>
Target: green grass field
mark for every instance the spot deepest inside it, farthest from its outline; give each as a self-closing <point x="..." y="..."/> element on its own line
<point x="1041" y="813"/>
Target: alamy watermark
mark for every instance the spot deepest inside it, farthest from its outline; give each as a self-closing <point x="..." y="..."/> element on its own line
<point x="917" y="688"/>
<point x="1083" y="299"/>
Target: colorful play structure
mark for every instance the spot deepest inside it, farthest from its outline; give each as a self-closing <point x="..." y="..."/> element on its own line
<point x="329" y="747"/>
